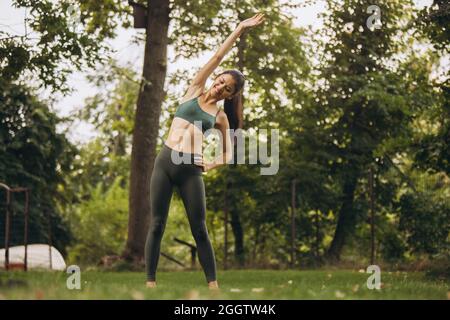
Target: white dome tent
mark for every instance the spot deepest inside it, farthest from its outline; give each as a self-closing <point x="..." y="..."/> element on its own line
<point x="39" y="256"/>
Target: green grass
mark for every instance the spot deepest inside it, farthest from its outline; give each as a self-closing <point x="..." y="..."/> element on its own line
<point x="275" y="284"/>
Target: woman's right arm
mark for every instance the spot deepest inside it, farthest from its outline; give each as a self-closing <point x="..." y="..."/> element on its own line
<point x="201" y="77"/>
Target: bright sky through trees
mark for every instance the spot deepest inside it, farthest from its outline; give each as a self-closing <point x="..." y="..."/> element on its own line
<point x="12" y="21"/>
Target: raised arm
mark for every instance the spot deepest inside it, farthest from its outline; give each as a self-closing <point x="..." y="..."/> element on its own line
<point x="201" y="77"/>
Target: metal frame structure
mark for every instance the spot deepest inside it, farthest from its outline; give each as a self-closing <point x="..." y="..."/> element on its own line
<point x="8" y="220"/>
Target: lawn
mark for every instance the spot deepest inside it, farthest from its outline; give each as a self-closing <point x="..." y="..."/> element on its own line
<point x="234" y="284"/>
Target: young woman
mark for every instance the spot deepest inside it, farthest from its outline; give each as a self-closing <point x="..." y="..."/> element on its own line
<point x="197" y="113"/>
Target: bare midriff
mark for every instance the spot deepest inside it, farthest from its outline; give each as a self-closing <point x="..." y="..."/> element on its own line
<point x="185" y="137"/>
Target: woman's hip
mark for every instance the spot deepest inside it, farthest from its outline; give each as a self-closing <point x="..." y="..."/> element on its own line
<point x="178" y="164"/>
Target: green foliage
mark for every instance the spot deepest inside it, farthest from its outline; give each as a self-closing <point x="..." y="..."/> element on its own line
<point x="97" y="186"/>
<point x="100" y="224"/>
<point x="199" y="19"/>
<point x="425" y="223"/>
<point x="258" y="203"/>
<point x="371" y="88"/>
<point x="393" y="246"/>
<point x="433" y="22"/>
<point x="344" y="99"/>
<point x="106" y="157"/>
<point x="33" y="155"/>
<point x="62" y="36"/>
<point x="432" y="149"/>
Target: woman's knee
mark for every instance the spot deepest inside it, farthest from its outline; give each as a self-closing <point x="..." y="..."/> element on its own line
<point x="156" y="228"/>
<point x="200" y="233"/>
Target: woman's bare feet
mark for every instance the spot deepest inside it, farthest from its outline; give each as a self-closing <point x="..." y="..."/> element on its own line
<point x="213" y="285"/>
<point x="151" y="284"/>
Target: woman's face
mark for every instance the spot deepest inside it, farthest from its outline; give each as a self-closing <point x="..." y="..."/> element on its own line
<point x="223" y="86"/>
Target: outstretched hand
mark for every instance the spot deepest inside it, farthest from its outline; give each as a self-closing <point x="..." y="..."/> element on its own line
<point x="257" y="19"/>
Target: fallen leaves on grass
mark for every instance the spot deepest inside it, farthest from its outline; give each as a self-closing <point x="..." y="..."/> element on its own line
<point x="192" y="295"/>
<point x="39" y="294"/>
<point x="137" y="295"/>
<point x="385" y="285"/>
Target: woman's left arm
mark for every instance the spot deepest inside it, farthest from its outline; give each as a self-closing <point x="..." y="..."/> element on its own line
<point x="227" y="148"/>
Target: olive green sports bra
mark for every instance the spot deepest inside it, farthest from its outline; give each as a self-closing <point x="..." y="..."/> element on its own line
<point x="191" y="111"/>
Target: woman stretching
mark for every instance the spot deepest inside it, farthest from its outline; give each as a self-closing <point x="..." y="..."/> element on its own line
<point x="197" y="113"/>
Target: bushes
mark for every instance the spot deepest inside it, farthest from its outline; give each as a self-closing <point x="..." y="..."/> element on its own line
<point x="100" y="224"/>
<point x="424" y="222"/>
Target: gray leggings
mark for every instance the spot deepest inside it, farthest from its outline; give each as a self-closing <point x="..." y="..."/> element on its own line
<point x="189" y="181"/>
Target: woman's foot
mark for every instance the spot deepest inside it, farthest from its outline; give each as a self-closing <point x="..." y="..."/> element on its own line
<point x="151" y="284"/>
<point x="213" y="285"/>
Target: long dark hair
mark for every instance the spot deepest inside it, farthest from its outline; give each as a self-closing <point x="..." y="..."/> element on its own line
<point x="233" y="107"/>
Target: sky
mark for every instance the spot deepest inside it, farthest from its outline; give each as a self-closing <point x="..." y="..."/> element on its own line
<point x="12" y="21"/>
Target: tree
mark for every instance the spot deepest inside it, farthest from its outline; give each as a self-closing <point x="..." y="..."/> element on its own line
<point x="55" y="43"/>
<point x="146" y="125"/>
<point x="111" y="111"/>
<point x="432" y="151"/>
<point x="362" y="102"/>
<point x="433" y="21"/>
<point x="151" y="95"/>
<point x="61" y="40"/>
<point x="33" y="155"/>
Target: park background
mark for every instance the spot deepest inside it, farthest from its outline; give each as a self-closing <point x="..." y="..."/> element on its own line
<point x="363" y="118"/>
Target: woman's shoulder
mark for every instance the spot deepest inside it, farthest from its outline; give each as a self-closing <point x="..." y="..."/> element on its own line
<point x="191" y="93"/>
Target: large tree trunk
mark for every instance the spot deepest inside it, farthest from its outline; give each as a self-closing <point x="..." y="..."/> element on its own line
<point x="346" y="220"/>
<point x="146" y="127"/>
